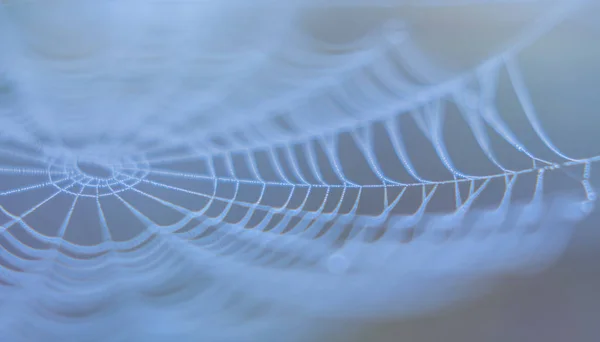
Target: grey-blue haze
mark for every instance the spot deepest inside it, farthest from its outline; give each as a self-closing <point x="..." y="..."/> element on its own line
<point x="375" y="199"/>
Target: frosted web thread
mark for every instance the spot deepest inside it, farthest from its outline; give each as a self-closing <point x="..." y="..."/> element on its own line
<point x="274" y="206"/>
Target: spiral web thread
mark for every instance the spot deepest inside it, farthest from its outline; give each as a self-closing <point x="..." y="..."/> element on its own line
<point x="239" y="225"/>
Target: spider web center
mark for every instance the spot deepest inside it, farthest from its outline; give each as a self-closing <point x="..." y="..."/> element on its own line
<point x="95" y="169"/>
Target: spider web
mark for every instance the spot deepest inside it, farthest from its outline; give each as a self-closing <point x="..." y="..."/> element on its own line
<point x="228" y="225"/>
